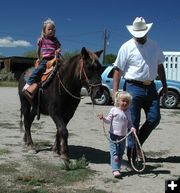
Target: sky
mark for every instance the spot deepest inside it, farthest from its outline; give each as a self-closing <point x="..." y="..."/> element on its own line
<point x="82" y="23"/>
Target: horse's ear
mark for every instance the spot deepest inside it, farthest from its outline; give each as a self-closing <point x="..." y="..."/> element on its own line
<point x="84" y="53"/>
<point x="99" y="53"/>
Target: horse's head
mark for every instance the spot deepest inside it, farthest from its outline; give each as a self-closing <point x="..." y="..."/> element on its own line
<point x="92" y="72"/>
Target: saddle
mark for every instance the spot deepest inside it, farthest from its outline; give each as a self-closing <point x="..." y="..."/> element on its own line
<point x="31" y="91"/>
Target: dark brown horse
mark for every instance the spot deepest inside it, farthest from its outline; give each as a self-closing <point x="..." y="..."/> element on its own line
<point x="61" y="96"/>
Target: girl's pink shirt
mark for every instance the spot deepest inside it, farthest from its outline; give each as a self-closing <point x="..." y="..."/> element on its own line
<point x="119" y="120"/>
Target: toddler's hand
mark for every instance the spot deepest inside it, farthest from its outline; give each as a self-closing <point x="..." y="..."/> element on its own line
<point x="57" y="52"/>
<point x="100" y="116"/>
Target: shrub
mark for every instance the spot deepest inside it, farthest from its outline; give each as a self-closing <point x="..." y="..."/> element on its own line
<point x="6" y="76"/>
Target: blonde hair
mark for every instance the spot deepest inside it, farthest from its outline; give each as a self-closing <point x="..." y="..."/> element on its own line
<point x="122" y="95"/>
<point x="48" y="21"/>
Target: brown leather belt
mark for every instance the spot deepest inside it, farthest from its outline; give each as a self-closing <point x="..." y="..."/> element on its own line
<point x="142" y="83"/>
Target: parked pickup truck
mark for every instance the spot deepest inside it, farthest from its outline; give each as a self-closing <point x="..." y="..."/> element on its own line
<point x="170" y="101"/>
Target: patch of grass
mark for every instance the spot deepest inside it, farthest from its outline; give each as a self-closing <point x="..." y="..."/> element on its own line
<point x="8" y="83"/>
<point x="41" y="144"/>
<point x="53" y="175"/>
<point x="34" y="180"/>
<point x="93" y="190"/>
<point x="28" y="189"/>
<point x="46" y="177"/>
<point x="6" y="169"/>
<point x="78" y="164"/>
<point x="7" y="125"/>
<point x="4" y="151"/>
<point x="76" y="176"/>
<point x="14" y="189"/>
<point x="59" y="175"/>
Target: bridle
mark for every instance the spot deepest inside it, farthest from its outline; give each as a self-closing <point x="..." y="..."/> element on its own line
<point x="82" y="72"/>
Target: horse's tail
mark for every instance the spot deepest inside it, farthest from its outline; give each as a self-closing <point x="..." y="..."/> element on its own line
<point x="21" y="121"/>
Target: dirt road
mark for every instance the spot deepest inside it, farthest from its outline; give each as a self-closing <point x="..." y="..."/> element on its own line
<point x="86" y="137"/>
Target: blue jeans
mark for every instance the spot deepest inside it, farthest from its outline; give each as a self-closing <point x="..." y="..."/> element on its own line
<point x="116" y="152"/>
<point x="37" y="73"/>
<point x="146" y="98"/>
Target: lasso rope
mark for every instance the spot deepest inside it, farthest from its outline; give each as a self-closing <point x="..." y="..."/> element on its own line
<point x="143" y="157"/>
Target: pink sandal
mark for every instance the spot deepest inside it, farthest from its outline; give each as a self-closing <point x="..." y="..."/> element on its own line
<point x="116" y="174"/>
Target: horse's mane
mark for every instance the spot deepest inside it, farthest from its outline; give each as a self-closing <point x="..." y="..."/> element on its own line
<point x="92" y="56"/>
<point x="72" y="63"/>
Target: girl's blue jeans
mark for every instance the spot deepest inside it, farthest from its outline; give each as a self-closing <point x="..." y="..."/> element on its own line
<point x="146" y="98"/>
<point x="37" y="73"/>
<point x="116" y="152"/>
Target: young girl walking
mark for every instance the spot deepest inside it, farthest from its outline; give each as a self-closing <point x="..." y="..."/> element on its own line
<point x="120" y="122"/>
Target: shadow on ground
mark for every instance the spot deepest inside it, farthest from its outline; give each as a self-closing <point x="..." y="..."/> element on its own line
<point x="91" y="154"/>
<point x="170" y="159"/>
<point x="149" y="170"/>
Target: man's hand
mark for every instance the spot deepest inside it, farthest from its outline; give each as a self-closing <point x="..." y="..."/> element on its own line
<point x="164" y="91"/>
<point x="113" y="95"/>
<point x="116" y="82"/>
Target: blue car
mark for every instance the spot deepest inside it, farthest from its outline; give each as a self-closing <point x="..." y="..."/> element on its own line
<point x="170" y="101"/>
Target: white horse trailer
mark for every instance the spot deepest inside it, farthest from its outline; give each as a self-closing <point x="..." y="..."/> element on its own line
<point x="172" y="65"/>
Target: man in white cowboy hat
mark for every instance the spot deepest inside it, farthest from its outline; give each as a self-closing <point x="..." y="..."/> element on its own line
<point x="140" y="60"/>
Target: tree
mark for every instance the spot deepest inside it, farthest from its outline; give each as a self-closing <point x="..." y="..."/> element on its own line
<point x="66" y="55"/>
<point x="110" y="58"/>
<point x="2" y="56"/>
<point x="30" y="54"/>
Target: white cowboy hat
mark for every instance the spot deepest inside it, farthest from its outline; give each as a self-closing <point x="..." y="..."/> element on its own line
<point x="139" y="28"/>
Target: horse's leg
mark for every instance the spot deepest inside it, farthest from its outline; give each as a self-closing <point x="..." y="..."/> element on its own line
<point x="64" y="143"/>
<point x="61" y="141"/>
<point x="56" y="146"/>
<point x="28" y="119"/>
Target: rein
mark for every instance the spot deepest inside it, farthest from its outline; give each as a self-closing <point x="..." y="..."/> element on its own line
<point x="76" y="97"/>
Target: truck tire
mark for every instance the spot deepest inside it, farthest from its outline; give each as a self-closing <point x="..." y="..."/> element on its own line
<point x="103" y="100"/>
<point x="170" y="101"/>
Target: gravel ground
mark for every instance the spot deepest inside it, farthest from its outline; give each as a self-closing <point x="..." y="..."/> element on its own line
<point x="87" y="137"/>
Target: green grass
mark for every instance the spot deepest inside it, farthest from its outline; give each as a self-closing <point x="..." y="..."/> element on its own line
<point x="8" y="168"/>
<point x="42" y="177"/>
<point x="81" y="163"/>
<point x="8" y="83"/>
<point x="47" y="180"/>
<point x="45" y="175"/>
<point x="4" y="151"/>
